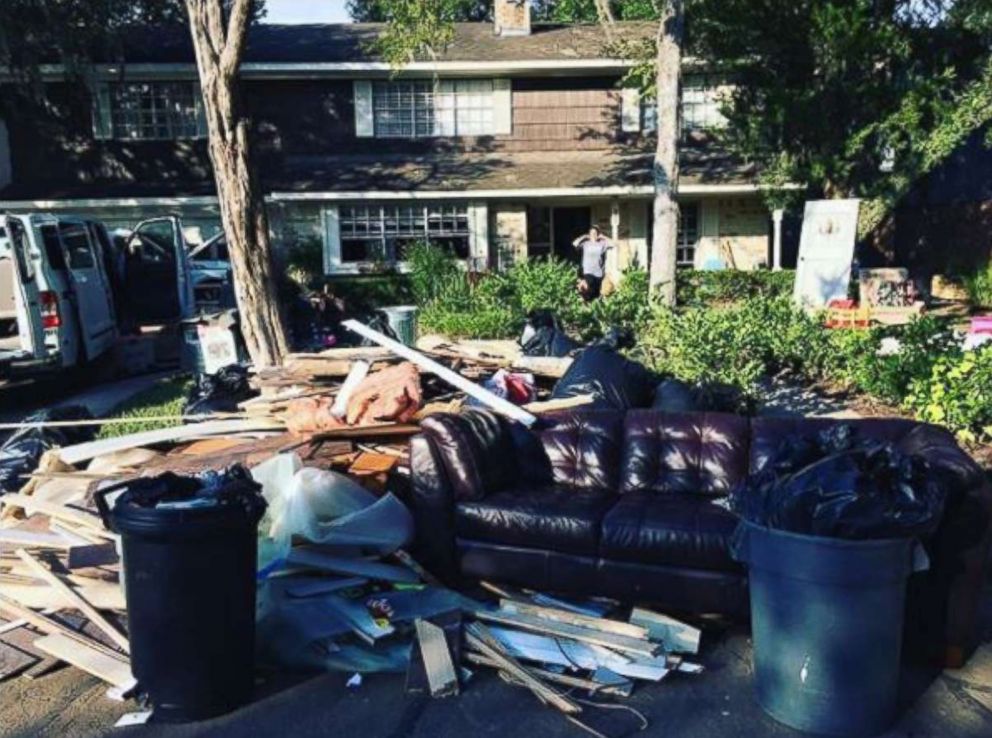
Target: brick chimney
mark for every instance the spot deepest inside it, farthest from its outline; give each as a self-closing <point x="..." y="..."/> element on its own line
<point x="512" y="17"/>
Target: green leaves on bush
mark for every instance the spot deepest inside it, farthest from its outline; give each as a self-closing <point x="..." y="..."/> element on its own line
<point x="698" y="288"/>
<point x="957" y="393"/>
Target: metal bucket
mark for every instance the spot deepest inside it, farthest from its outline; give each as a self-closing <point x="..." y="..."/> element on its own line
<point x="403" y="321"/>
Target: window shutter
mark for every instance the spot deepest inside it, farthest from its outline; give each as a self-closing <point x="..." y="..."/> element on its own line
<point x="630" y="109"/>
<point x="502" y="107"/>
<point x="103" y="122"/>
<point x="201" y="111"/>
<point x="332" y="240"/>
<point x="364" y="124"/>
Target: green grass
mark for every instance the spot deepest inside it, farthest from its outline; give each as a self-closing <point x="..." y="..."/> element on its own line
<point x="164" y="398"/>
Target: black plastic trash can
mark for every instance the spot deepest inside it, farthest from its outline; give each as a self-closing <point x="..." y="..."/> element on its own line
<point x="827" y="627"/>
<point x="189" y="575"/>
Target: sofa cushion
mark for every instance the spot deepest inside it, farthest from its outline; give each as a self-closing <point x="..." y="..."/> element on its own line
<point x="584" y="449"/>
<point x="555" y="518"/>
<point x="475" y="449"/>
<point x="687" y="453"/>
<point x="671" y="530"/>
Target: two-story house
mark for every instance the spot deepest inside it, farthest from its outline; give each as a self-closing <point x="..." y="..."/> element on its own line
<point x="513" y="142"/>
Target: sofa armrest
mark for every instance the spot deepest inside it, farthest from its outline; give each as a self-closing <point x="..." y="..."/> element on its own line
<point x="433" y="507"/>
<point x="475" y="450"/>
<point x="945" y="601"/>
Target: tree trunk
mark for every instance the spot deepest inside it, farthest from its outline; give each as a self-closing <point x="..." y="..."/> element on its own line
<point x="666" y="158"/>
<point x="219" y="45"/>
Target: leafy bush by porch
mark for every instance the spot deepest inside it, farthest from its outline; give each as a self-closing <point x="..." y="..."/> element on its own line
<point x="699" y="287"/>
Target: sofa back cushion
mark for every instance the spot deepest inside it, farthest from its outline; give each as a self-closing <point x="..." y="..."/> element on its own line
<point x="584" y="449"/>
<point x="476" y="450"/>
<point x="694" y="453"/>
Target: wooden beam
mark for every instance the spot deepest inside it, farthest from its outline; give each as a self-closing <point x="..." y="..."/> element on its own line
<point x="72" y="598"/>
<point x="47" y="625"/>
<point x="611" y="641"/>
<point x="478" y="637"/>
<point x="70" y="515"/>
<point x="112" y="670"/>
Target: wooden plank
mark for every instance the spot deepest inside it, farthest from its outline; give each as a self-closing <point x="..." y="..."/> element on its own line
<point x="61" y="512"/>
<point x="550" y="406"/>
<point x="567" y="680"/>
<point x="478" y="637"/>
<point x="75" y="599"/>
<point x="563" y="616"/>
<point x="612" y="641"/>
<point x="103" y="595"/>
<point x="441" y="674"/>
<point x="85" y="451"/>
<point x="114" y="671"/>
<point x="677" y="637"/>
<point x="47" y="625"/>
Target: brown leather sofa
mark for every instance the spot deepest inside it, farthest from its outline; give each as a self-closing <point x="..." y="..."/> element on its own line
<point x="621" y="504"/>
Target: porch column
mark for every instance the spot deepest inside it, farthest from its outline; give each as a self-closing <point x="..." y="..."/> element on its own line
<point x="777" y="215"/>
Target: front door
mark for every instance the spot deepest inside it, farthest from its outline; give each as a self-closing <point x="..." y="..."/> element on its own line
<point x="90" y="288"/>
<point x="27" y="294"/>
<point x="569" y="224"/>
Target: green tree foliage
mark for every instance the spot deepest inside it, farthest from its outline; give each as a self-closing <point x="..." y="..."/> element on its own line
<point x="855" y="97"/>
<point x="382" y="11"/>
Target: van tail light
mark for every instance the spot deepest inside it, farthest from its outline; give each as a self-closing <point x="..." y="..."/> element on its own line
<point x="50" y="317"/>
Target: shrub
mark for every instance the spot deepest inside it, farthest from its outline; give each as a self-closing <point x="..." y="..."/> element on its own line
<point x="978" y="285"/>
<point x="865" y="361"/>
<point x="957" y="393"/>
<point x="697" y="288"/>
<point x="737" y="344"/>
<point x="627" y="308"/>
<point x="305" y="262"/>
<point x="430" y="270"/>
<point x="546" y="284"/>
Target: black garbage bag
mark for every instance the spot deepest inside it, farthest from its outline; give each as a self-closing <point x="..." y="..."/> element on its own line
<point x="219" y="392"/>
<point x="839" y="486"/>
<point x="676" y="396"/>
<point x="20" y="454"/>
<point x="613" y="381"/>
<point x="543" y="336"/>
<point x="616" y="338"/>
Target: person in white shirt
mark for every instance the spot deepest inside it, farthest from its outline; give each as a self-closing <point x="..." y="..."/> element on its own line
<point x="594" y="247"/>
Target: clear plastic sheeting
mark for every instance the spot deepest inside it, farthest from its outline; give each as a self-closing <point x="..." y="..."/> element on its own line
<point x="327" y="508"/>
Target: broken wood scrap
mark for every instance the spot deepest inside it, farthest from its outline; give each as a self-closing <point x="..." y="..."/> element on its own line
<point x="47" y="625"/>
<point x="562" y="616"/>
<point x="71" y="515"/>
<point x="74" y="599"/>
<point x="550" y="406"/>
<point x="113" y="670"/>
<point x="439" y="664"/>
<point x="100" y="594"/>
<point x="478" y="637"/>
<point x="566" y="680"/>
<point x="612" y="641"/>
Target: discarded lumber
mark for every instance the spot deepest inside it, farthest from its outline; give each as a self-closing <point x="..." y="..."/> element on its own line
<point x="624" y="644"/>
<point x="478" y="637"/>
<point x="114" y="671"/>
<point x="453" y="378"/>
<point x="566" y="680"/>
<point x="72" y="598"/>
<point x="61" y="512"/>
<point x="85" y="451"/>
<point x="438" y="663"/>
<point x="610" y="626"/>
<point x="47" y="625"/>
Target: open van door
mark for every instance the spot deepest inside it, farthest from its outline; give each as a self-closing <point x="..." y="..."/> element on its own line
<point x="27" y="295"/>
<point x="157" y="273"/>
<point x="93" y="299"/>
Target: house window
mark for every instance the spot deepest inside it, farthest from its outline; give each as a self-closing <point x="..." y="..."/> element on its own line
<point x="649" y="115"/>
<point x="420" y="109"/>
<point x="382" y="232"/>
<point x="154" y="111"/>
<point x="685" y="251"/>
<point x="702" y="100"/>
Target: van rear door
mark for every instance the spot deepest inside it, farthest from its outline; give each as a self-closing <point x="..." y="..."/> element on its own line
<point x="94" y="302"/>
<point x="158" y="281"/>
<point x="27" y="294"/>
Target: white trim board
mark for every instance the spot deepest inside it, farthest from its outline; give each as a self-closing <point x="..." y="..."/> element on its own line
<point x="643" y="191"/>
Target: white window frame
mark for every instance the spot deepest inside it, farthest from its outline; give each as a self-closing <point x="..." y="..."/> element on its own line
<point x="701" y="101"/>
<point x="160" y="116"/>
<point x="446" y="108"/>
<point x="336" y="230"/>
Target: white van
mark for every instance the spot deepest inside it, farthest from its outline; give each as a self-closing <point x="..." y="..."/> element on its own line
<point x="62" y="291"/>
